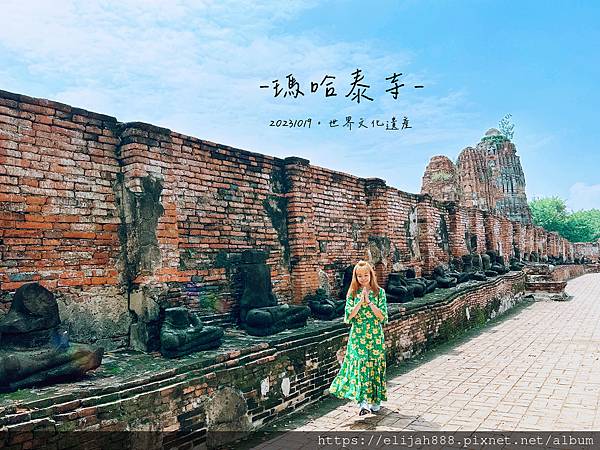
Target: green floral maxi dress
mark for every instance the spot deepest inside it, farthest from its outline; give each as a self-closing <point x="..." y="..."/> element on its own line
<point x="362" y="375"/>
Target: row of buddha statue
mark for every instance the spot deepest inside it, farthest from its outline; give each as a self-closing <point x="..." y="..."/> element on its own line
<point x="35" y="348"/>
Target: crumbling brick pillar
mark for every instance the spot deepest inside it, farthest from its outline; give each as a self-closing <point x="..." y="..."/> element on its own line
<point x="492" y="232"/>
<point x="570" y="251"/>
<point x="148" y="230"/>
<point x="506" y="238"/>
<point x="301" y="228"/>
<point x="564" y="248"/>
<point x="476" y="241"/>
<point x="518" y="240"/>
<point x="529" y="232"/>
<point x="457" y="229"/>
<point x="545" y="250"/>
<point x="541" y="241"/>
<point x="427" y="226"/>
<point x="147" y="205"/>
<point x="553" y="244"/>
<point x="378" y="222"/>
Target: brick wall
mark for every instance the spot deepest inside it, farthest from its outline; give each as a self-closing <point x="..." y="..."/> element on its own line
<point x="477" y="230"/>
<point x="565" y="273"/>
<point x="590" y="250"/>
<point x="529" y="238"/>
<point x="458" y="224"/>
<point x="434" y="239"/>
<point x="518" y="238"/>
<point x="493" y="235"/>
<point x="58" y="217"/>
<point x="506" y="237"/>
<point x="114" y="217"/>
<point x="403" y="229"/>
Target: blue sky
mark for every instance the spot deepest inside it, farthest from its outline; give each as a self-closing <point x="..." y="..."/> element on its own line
<point x="196" y="67"/>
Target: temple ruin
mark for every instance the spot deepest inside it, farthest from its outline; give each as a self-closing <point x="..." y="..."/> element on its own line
<point x="149" y="240"/>
<point x="488" y="176"/>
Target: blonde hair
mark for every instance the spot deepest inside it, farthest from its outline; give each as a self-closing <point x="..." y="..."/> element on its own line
<point x="355" y="285"/>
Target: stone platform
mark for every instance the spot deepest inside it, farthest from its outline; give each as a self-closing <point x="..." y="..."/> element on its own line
<point x="267" y="377"/>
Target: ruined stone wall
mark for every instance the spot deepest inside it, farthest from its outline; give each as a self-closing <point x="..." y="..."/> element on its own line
<point x="394" y="236"/>
<point x="565" y="273"/>
<point x="529" y="238"/>
<point x="59" y="219"/>
<point x="458" y="226"/>
<point x="476" y="241"/>
<point x="506" y="238"/>
<point x="492" y="232"/>
<point x="553" y="249"/>
<point x="590" y="250"/>
<point x="518" y="239"/>
<point x="434" y="240"/>
<point x="341" y="223"/>
<point x="120" y="220"/>
<point x="541" y="240"/>
<point x="403" y="229"/>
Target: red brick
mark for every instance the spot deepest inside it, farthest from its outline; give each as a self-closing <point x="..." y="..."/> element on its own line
<point x="79" y="235"/>
<point x="71" y="282"/>
<point x="11" y="286"/>
<point x="11" y="198"/>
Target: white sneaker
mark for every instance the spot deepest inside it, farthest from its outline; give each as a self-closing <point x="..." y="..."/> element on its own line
<point x="364" y="409"/>
<point x="374" y="408"/>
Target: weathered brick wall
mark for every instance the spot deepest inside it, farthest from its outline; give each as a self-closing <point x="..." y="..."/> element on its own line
<point x="518" y="238"/>
<point x="477" y="230"/>
<point x="506" y="237"/>
<point x="564" y="273"/>
<point x="541" y="241"/>
<point x="563" y="247"/>
<point x="58" y="217"/>
<point x="403" y="229"/>
<point x="458" y="224"/>
<point x="492" y="232"/>
<point x="433" y="233"/>
<point x="553" y="239"/>
<point x="424" y="327"/>
<point x="529" y="238"/>
<point x="590" y="250"/>
<point x="216" y="200"/>
<point x="341" y="222"/>
<point x="119" y="219"/>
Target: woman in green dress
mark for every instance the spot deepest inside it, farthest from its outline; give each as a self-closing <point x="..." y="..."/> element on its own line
<point x="362" y="375"/>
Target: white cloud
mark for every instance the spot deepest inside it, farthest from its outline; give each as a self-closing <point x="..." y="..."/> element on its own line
<point x="195" y="67"/>
<point x="584" y="196"/>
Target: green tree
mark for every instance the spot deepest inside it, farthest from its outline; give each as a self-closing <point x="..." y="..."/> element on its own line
<point x="551" y="213"/>
<point x="586" y="225"/>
